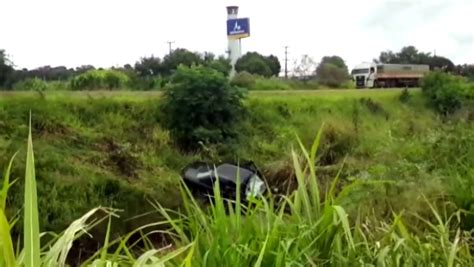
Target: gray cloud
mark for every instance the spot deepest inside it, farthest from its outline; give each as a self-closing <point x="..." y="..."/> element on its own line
<point x="463" y="38"/>
<point x="405" y="14"/>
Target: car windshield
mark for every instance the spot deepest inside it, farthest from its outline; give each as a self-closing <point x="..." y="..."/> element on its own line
<point x="360" y="71"/>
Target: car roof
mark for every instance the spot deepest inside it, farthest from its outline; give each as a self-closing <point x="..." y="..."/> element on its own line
<point x="229" y="172"/>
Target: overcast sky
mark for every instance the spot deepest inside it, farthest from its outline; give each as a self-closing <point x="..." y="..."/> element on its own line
<point x="108" y="33"/>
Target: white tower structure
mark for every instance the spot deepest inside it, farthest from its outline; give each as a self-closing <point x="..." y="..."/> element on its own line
<point x="234" y="47"/>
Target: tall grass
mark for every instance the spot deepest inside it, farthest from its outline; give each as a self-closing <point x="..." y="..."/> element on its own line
<point x="55" y="252"/>
<point x="305" y="228"/>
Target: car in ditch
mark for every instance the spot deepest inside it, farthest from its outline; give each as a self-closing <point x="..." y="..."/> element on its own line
<point x="200" y="178"/>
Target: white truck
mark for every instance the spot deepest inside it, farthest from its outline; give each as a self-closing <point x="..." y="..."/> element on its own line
<point x="373" y="75"/>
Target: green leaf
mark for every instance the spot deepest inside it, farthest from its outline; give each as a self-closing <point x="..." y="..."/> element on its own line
<point x="31" y="221"/>
<point x="6" y="244"/>
<point x="345" y="225"/>
<point x="454" y="248"/>
<point x="262" y="252"/>
<point x="57" y="254"/>
<point x="6" y="184"/>
<point x="106" y="242"/>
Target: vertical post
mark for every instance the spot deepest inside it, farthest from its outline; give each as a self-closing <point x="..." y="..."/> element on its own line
<point x="240" y="45"/>
<point x="286" y="62"/>
<point x="169" y="45"/>
<point x="234" y="45"/>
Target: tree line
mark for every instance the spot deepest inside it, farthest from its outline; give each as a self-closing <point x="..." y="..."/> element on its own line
<point x="154" y="72"/>
<point x="147" y="73"/>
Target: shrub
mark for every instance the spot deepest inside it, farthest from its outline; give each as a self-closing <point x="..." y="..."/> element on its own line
<point x="58" y="85"/>
<point x="405" y="96"/>
<point x="201" y="106"/>
<point x="100" y="79"/>
<point x="332" y="74"/>
<point x="337" y="141"/>
<point x="243" y="79"/>
<point x="445" y="92"/>
<point x="146" y="83"/>
<point x="374" y="107"/>
<point x="30" y="85"/>
<point x="255" y="63"/>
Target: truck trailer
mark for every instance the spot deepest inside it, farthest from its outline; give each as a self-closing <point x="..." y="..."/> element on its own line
<point x="373" y="75"/>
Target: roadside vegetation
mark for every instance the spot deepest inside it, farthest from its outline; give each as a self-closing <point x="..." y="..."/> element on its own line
<point x="378" y="185"/>
<point x="304" y="228"/>
<point x="254" y="72"/>
<point x="355" y="177"/>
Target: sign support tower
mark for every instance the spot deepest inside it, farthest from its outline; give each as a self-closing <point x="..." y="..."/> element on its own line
<point x="234" y="45"/>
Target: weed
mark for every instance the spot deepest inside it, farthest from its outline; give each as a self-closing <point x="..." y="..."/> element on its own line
<point x="374" y="107"/>
<point x="405" y="96"/>
<point x="355" y="116"/>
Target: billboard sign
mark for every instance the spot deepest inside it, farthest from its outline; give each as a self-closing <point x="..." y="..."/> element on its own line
<point x="238" y="28"/>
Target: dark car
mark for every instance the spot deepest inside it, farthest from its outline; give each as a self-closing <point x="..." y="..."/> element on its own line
<point x="200" y="178"/>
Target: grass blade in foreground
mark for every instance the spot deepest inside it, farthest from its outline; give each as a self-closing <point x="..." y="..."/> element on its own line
<point x="31" y="222"/>
<point x="57" y="254"/>
<point x="6" y="244"/>
<point x="6" y="184"/>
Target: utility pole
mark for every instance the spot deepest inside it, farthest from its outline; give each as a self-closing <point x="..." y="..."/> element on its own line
<point x="286" y="62"/>
<point x="169" y="44"/>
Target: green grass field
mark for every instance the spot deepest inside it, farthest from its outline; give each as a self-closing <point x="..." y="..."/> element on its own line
<point x="393" y="160"/>
<point x="153" y="94"/>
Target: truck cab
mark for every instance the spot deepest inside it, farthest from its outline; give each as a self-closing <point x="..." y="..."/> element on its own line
<point x="364" y="75"/>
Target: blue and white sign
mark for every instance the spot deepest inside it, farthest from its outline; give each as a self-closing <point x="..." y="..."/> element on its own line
<point x="238" y="28"/>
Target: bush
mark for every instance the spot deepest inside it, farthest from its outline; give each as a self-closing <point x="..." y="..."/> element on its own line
<point x="243" y="79"/>
<point x="58" y="85"/>
<point x="445" y="92"/>
<point x="258" y="64"/>
<point x="332" y="76"/>
<point x="405" y="96"/>
<point x="100" y="79"/>
<point x="201" y="106"/>
<point x="34" y="84"/>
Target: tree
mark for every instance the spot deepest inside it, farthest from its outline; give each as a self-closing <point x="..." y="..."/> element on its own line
<point x="208" y="57"/>
<point x="332" y="71"/>
<point x="466" y="71"/>
<point x="305" y="68"/>
<point x="148" y="66"/>
<point x="49" y="73"/>
<point x="411" y="55"/>
<point x="274" y="64"/>
<point x="445" y="93"/>
<point x="255" y="63"/>
<point x="441" y="63"/>
<point x="6" y="69"/>
<point x="178" y="57"/>
<point x="100" y="79"/>
<point x="84" y="69"/>
<point x="387" y="57"/>
<point x="201" y="106"/>
<point x="220" y="64"/>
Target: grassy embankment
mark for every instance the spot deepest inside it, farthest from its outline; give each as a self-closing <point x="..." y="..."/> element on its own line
<point x="111" y="151"/>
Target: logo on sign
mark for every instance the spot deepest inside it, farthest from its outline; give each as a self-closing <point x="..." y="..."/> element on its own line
<point x="238" y="28"/>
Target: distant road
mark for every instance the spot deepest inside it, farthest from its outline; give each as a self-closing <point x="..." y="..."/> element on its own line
<point x="152" y="94"/>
